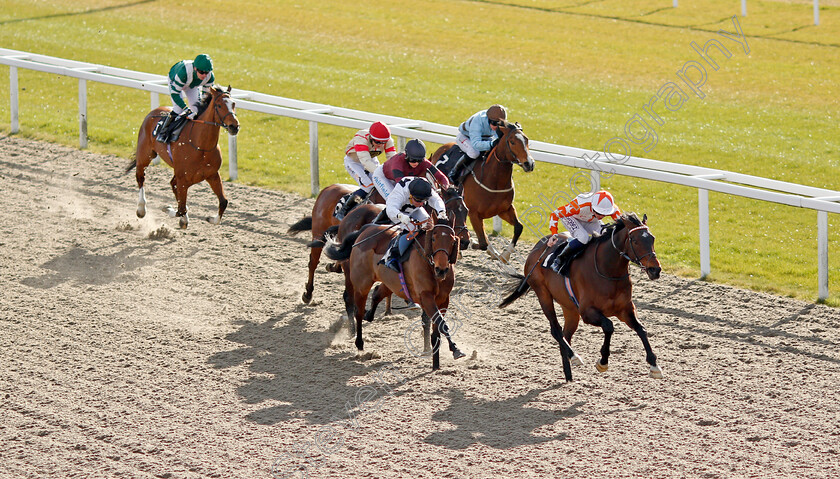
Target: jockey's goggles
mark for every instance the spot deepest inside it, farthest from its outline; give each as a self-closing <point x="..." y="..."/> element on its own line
<point x="495" y="122"/>
<point x="413" y="160"/>
<point x="201" y="72"/>
<point x="412" y="198"/>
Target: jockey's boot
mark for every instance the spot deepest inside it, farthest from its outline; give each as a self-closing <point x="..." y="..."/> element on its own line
<point x="455" y="174"/>
<point x="163" y="133"/>
<point x="393" y="260"/>
<point x="352" y="200"/>
<point x="562" y="262"/>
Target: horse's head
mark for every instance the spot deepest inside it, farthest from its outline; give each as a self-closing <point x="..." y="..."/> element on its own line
<point x="444" y="246"/>
<point x="457" y="210"/>
<point x="513" y="146"/>
<point x="638" y="245"/>
<point x="224" y="109"/>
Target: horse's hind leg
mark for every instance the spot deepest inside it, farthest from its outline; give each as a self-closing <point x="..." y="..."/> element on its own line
<point x="630" y="319"/>
<point x="143" y="156"/>
<point x="379" y="293"/>
<point x="180" y="191"/>
<point x="216" y="185"/>
<point x="314" y="258"/>
<point x="596" y="318"/>
<point x="547" y="305"/>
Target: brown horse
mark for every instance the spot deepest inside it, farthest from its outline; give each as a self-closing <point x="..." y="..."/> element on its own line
<point x="195" y="157"/>
<point x="488" y="190"/>
<point x="429" y="276"/>
<point x="600" y="282"/>
<point x="321" y="220"/>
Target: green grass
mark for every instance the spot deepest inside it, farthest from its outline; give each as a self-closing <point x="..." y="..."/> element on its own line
<point x="571" y="72"/>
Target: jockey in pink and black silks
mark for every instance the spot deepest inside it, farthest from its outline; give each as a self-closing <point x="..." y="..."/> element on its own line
<point x="412" y="162"/>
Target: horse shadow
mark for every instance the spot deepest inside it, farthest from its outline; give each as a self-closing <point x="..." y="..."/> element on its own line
<point x="292" y="371"/>
<point x="498" y="424"/>
<point x="87" y="267"/>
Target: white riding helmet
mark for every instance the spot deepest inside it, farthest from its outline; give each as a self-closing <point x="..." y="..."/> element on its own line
<point x="602" y="203"/>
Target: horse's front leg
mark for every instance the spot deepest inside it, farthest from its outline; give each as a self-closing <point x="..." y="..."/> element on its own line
<point x="179" y="189"/>
<point x="215" y="182"/>
<point x="511" y="218"/>
<point x="629" y="318"/>
<point x="430" y="308"/>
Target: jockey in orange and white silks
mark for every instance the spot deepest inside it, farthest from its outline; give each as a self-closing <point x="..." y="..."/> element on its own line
<point x="360" y="158"/>
<point x="582" y="218"/>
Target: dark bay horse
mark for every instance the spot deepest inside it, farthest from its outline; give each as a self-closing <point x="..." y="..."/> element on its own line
<point x="429" y="276"/>
<point x="488" y="189"/>
<point x="600" y="282"/>
<point x="194" y="157"/>
<point x="321" y="220"/>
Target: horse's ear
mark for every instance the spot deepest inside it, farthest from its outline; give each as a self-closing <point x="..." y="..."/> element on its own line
<point x="228" y="90"/>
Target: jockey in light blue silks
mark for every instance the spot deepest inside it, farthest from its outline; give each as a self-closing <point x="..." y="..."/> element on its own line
<point x="405" y="207"/>
<point x="476" y="136"/>
<point x="188" y="78"/>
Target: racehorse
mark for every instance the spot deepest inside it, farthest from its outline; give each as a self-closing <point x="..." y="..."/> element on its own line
<point x="323" y="218"/>
<point x="195" y="157"/>
<point x="488" y="190"/>
<point x="600" y="287"/>
<point x="429" y="275"/>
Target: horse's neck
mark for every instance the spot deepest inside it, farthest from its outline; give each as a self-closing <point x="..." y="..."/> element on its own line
<point x="610" y="260"/>
<point x="495" y="172"/>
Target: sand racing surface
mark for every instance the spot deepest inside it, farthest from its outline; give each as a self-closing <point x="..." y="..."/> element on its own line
<point x="131" y="348"/>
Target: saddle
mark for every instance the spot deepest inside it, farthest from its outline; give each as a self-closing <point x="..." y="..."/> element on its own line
<point x="175" y="128"/>
<point x="558" y="248"/>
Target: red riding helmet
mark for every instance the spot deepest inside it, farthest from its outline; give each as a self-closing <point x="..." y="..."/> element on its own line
<point x="379" y="131"/>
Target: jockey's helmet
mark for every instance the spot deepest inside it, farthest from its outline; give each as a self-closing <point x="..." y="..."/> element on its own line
<point x="203" y="62"/>
<point x="379" y="131"/>
<point x="602" y="203"/>
<point x="496" y="114"/>
<point x="415" y="150"/>
<point x="420" y="189"/>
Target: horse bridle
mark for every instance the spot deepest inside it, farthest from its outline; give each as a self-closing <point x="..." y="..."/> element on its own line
<point x="216" y="110"/>
<point x="461" y="199"/>
<point x="637" y="260"/>
<point x="513" y="130"/>
<point x="430" y="256"/>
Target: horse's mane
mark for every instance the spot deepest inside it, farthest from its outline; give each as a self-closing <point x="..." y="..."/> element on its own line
<point x="617" y="226"/>
<point x="207" y="99"/>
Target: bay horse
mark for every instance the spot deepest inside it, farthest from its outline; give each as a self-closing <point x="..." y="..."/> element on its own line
<point x="194" y="157"/>
<point x="600" y="283"/>
<point x="488" y="190"/>
<point x="429" y="275"/>
<point x="319" y="222"/>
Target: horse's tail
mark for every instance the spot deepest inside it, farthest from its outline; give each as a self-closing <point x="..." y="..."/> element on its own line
<point x="303" y="225"/>
<point x="319" y="243"/>
<point x="522" y="287"/>
<point x="131" y="166"/>
<point x="340" y="252"/>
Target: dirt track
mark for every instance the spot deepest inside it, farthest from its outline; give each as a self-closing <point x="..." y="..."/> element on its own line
<point x="192" y="356"/>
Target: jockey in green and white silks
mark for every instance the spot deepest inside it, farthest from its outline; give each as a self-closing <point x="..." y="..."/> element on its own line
<point x="187" y="79"/>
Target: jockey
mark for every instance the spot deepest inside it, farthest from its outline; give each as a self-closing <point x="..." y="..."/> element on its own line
<point x="477" y="135"/>
<point x="582" y="217"/>
<point x="405" y="207"/>
<point x="187" y="78"/>
<point x="412" y="162"/>
<point x="359" y="159"/>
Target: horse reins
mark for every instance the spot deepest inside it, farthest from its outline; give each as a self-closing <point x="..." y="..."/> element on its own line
<point x="213" y="123"/>
<point x="429" y="257"/>
<point x="496" y="155"/>
<point x="637" y="261"/>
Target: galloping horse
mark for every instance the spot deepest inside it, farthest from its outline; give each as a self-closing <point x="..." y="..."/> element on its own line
<point x="429" y="276"/>
<point x="600" y="284"/>
<point x="195" y="157"/>
<point x="322" y="219"/>
<point x="488" y="190"/>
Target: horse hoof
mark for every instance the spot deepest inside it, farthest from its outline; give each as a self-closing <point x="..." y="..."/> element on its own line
<point x="457" y="354"/>
<point x="214" y="220"/>
<point x="183" y="222"/>
<point x="601" y="367"/>
<point x="141" y="211"/>
<point x="307" y="297"/>
<point x="576" y="361"/>
<point x="655" y="372"/>
<point x="172" y="212"/>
